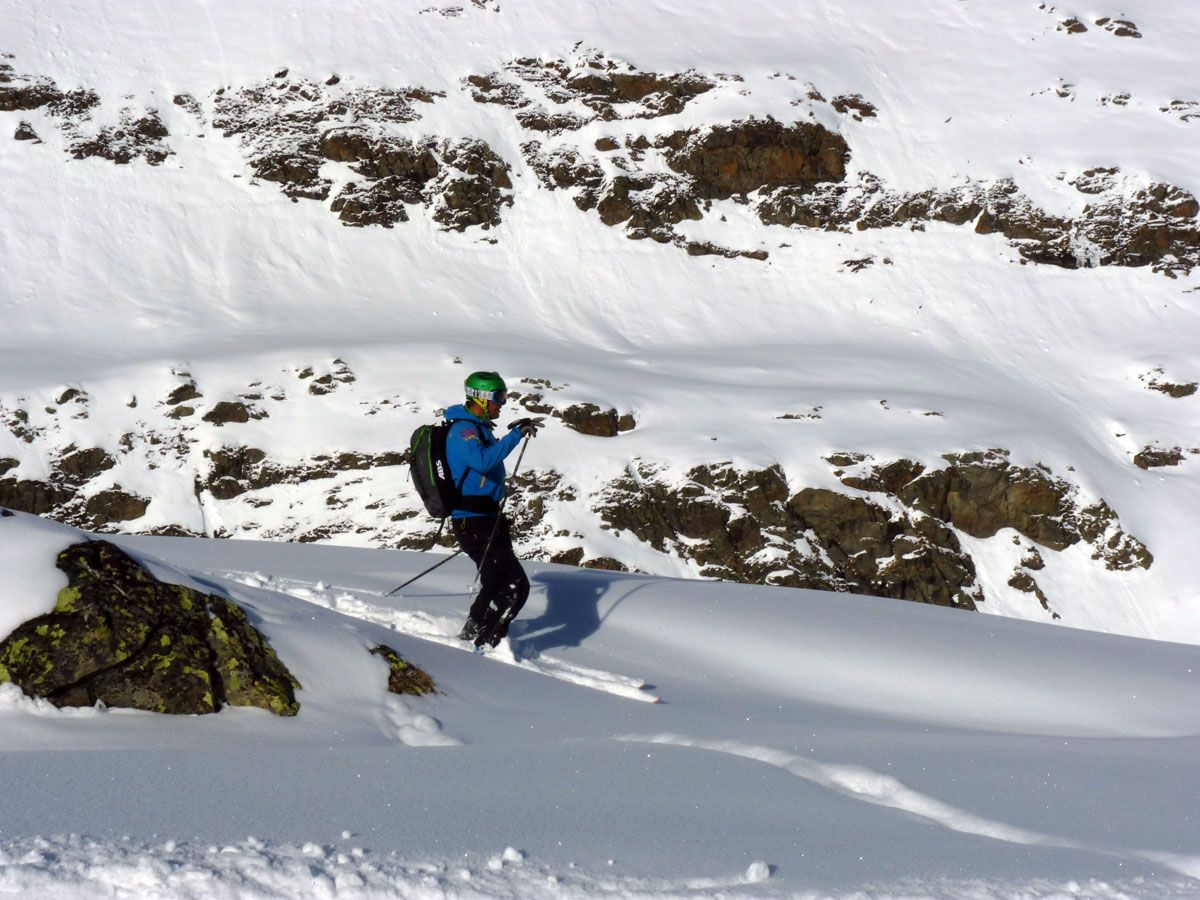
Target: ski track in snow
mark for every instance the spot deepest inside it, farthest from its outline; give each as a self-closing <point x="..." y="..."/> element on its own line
<point x="874" y="787"/>
<point x="442" y="630"/>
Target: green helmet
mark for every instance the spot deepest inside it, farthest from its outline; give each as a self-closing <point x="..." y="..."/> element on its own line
<point x="486" y="386"/>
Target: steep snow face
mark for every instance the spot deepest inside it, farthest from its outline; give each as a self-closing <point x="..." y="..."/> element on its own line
<point x="979" y="231"/>
<point x="633" y="736"/>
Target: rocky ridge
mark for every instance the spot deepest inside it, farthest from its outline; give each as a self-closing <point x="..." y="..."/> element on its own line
<point x="338" y="139"/>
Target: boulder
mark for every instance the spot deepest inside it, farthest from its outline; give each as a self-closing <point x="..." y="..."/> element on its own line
<point x="118" y="635"/>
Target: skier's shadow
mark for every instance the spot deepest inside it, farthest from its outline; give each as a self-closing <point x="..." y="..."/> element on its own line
<point x="572" y="611"/>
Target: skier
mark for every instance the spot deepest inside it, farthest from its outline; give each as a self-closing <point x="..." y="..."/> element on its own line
<point x="476" y="459"/>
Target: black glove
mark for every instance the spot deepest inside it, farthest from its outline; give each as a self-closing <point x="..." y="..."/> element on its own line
<point x="529" y="427"/>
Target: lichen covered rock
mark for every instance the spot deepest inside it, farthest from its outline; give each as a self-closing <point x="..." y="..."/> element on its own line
<point x="404" y="678"/>
<point x="119" y="636"/>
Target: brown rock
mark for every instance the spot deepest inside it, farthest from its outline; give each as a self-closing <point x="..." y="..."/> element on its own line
<point x="588" y="418"/>
<point x="752" y="154"/>
<point x="404" y="677"/>
<point x="227" y="411"/>
<point x="83" y="465"/>
<point x="183" y="392"/>
<point x="114" y="505"/>
<point x="1154" y="457"/>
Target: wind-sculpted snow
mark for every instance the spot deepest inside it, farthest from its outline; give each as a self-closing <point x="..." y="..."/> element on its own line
<point x="82" y="868"/>
<point x="805" y="744"/>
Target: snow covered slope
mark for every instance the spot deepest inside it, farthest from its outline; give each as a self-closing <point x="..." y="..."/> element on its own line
<point x="635" y="736"/>
<point x="1002" y="258"/>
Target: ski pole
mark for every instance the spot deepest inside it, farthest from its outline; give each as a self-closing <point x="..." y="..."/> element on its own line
<point x="496" y="527"/>
<point x="423" y="574"/>
<point x="431" y="568"/>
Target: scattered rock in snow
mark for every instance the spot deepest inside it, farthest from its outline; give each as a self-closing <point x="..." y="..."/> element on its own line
<point x="229" y="411"/>
<point x="1152" y="457"/>
<point x="190" y="104"/>
<point x="136" y="137"/>
<point x="1184" y="110"/>
<point x="1118" y="27"/>
<point x="609" y="89"/>
<point x="185" y="392"/>
<point x="1154" y="382"/>
<point x="25" y="132"/>
<point x="463" y="182"/>
<point x="280" y="123"/>
<point x="404" y="677"/>
<point x="854" y="105"/>
<point x="1024" y="582"/>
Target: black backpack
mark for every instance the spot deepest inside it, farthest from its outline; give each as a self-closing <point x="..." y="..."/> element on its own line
<point x="430" y="471"/>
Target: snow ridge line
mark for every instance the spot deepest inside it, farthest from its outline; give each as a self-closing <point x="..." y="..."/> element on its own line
<point x="442" y="630"/>
<point x="75" y="867"/>
<point x="876" y="788"/>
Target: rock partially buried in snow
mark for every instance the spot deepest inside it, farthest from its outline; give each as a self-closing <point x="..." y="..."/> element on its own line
<point x="119" y="636"/>
<point x="405" y="678"/>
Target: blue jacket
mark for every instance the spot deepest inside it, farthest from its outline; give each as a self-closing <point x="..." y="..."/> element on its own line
<point x="472" y="450"/>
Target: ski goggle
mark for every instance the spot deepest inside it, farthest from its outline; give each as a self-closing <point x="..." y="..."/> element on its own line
<point x="497" y="397"/>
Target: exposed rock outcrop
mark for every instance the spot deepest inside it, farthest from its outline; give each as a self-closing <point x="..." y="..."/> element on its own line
<point x="585" y="418"/>
<point x="279" y="124"/>
<point x="464" y="182"/>
<point x="749" y="155"/>
<point x="136" y="137"/>
<point x="746" y="526"/>
<point x="610" y="89"/>
<point x="714" y="163"/>
<point x="980" y="493"/>
<point x="290" y="127"/>
<point x="119" y="636"/>
<point x="236" y="470"/>
<point x="1126" y="224"/>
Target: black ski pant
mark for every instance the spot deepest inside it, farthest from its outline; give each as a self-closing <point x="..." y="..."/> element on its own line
<point x="503" y="585"/>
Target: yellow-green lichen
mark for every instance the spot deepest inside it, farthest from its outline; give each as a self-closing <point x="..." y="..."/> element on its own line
<point x="67" y="598"/>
